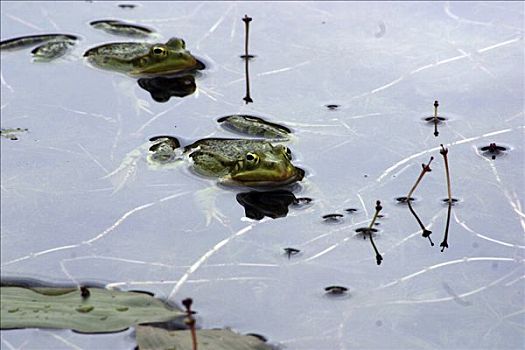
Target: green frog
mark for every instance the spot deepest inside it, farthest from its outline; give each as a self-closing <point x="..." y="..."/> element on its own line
<point x="244" y="162"/>
<point x="138" y="59"/>
<point x="144" y="59"/>
<point x="232" y="161"/>
<point x="238" y="162"/>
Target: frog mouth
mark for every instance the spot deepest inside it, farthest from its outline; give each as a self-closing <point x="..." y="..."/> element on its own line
<point x="297" y="174"/>
<point x="160" y="69"/>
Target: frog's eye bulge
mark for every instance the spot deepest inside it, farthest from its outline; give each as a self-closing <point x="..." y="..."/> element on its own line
<point x="159" y="51"/>
<point x="252" y="158"/>
<point x="288" y="153"/>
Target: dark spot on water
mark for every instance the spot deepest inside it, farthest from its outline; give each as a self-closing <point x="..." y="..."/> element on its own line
<point x="366" y="175"/>
<point x="350" y="210"/>
<point x="493" y="150"/>
<point x="333" y="218"/>
<point x="379" y="323"/>
<point x="127" y="6"/>
<point x="404" y="199"/>
<point x="291" y="252"/>
<point x="336" y="290"/>
<point x="452" y="200"/>
<point x="366" y="231"/>
<point x="249" y="57"/>
<point x="430" y="119"/>
<point x="493" y="147"/>
<point x="475" y="245"/>
<point x="332" y="107"/>
<point x="495" y="265"/>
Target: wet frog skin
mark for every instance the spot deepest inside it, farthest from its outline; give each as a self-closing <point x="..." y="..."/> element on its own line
<point x="244" y="162"/>
<point x="143" y="59"/>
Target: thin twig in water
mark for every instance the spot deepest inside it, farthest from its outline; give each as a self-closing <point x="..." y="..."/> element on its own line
<point x="426" y="168"/>
<point x="247" y="57"/>
<point x="379" y="258"/>
<point x="444" y="153"/>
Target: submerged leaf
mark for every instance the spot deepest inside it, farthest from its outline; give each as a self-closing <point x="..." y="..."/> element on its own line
<point x="102" y="311"/>
<point x="149" y="338"/>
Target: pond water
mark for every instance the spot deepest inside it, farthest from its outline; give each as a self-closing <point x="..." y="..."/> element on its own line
<point x="178" y="235"/>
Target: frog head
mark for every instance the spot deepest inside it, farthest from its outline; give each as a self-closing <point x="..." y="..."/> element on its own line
<point x="143" y="59"/>
<point x="168" y="58"/>
<point x="266" y="168"/>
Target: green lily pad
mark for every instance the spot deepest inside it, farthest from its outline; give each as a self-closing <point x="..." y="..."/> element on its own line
<point x="99" y="311"/>
<point x="152" y="338"/>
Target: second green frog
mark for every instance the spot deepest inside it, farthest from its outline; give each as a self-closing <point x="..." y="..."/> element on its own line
<point x="232" y="161"/>
<point x="144" y="59"/>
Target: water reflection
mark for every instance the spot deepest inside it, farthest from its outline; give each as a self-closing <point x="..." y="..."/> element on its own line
<point x="273" y="204"/>
<point x="163" y="88"/>
<point x="247" y="99"/>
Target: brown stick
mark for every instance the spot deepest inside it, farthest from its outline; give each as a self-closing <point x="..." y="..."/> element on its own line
<point x="379" y="258"/>
<point x="426" y="168"/>
<point x="444" y="153"/>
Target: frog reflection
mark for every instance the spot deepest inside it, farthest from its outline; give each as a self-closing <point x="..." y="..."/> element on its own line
<point x="273" y="204"/>
<point x="163" y="88"/>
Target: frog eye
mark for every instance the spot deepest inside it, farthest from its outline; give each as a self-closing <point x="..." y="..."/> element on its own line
<point x="287" y="153"/>
<point x="252" y="158"/>
<point x="159" y="51"/>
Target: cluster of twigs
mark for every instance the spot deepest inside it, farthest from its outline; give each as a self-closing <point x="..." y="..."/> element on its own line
<point x="426" y="169"/>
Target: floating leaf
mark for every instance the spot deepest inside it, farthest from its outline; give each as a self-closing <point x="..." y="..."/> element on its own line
<point x="102" y="311"/>
<point x="152" y="338"/>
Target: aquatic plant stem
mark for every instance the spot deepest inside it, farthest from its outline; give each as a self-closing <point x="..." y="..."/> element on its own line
<point x="426" y="168"/>
<point x="246" y="21"/>
<point x="379" y="258"/>
<point x="436" y="105"/>
<point x="247" y="99"/>
<point x="444" y="153"/>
